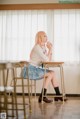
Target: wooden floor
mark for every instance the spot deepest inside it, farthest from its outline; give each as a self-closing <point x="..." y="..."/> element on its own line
<point x="55" y="110"/>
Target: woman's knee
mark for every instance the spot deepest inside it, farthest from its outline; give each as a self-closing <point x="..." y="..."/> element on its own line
<point x="52" y="73"/>
<point x="48" y="75"/>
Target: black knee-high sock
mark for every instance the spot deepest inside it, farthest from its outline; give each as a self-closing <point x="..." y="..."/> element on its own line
<point x="43" y="92"/>
<point x="57" y="90"/>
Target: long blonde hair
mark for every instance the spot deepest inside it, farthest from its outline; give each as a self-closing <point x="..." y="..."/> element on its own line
<point x="38" y="38"/>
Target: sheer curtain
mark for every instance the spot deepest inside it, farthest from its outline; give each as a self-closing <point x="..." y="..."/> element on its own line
<point x="67" y="35"/>
<point x="17" y="32"/>
<point x="18" y="29"/>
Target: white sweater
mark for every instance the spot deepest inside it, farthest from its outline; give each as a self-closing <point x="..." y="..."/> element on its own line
<point x="38" y="55"/>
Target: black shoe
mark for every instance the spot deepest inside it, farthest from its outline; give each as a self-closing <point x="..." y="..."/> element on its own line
<point x="45" y="99"/>
<point x="60" y="99"/>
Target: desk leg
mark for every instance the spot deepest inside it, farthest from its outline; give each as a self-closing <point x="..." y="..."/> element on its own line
<point x="43" y="85"/>
<point x="62" y="82"/>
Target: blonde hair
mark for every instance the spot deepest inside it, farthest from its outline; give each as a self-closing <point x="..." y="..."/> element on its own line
<point x="38" y="38"/>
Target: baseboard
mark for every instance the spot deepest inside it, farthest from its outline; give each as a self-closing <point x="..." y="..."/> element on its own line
<point x="67" y="95"/>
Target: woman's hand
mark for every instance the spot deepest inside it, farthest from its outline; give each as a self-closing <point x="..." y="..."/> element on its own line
<point x="49" y="45"/>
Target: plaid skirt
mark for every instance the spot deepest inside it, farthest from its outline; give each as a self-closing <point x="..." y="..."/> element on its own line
<point x="33" y="72"/>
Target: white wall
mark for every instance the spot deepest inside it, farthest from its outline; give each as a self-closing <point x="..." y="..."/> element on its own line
<point x="27" y="1"/>
<point x="71" y="79"/>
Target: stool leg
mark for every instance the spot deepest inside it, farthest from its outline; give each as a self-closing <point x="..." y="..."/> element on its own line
<point x="15" y="96"/>
<point x="12" y="81"/>
<point x="30" y="109"/>
<point x="31" y="87"/>
<point x="10" y="94"/>
<point x="5" y="94"/>
<point x="35" y="88"/>
<point x="7" y="76"/>
<point x="12" y="105"/>
<point x="23" y="98"/>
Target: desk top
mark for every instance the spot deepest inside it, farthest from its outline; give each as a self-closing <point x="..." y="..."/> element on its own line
<point x="52" y="64"/>
<point x="13" y="63"/>
<point x="8" y="61"/>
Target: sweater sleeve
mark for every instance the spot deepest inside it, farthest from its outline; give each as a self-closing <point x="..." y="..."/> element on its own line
<point x="40" y="53"/>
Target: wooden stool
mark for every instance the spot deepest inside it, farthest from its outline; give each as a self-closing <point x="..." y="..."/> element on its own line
<point x="17" y="69"/>
<point x="4" y="91"/>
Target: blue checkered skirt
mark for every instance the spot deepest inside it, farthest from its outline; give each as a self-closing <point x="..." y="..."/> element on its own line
<point x="33" y="72"/>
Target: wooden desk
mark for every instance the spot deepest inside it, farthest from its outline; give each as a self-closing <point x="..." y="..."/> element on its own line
<point x="60" y="65"/>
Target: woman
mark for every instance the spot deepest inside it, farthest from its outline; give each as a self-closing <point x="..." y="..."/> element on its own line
<point x="42" y="51"/>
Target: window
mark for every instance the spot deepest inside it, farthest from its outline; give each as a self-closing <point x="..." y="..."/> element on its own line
<point x="66" y="35"/>
<point x="18" y="29"/>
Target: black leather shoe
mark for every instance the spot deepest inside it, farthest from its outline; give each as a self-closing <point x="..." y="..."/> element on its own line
<point x="60" y="99"/>
<point x="45" y="99"/>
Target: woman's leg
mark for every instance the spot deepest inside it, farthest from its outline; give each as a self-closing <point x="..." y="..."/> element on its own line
<point x="54" y="80"/>
<point x="56" y="87"/>
<point x="47" y="80"/>
<point x="55" y="83"/>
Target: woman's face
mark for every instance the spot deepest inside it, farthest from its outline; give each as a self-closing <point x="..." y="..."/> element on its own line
<point x="43" y="39"/>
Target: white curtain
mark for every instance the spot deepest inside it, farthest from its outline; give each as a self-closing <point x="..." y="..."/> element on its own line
<point x="67" y="35"/>
<point x="18" y="29"/>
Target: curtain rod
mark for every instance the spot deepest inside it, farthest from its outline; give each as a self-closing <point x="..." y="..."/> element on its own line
<point x="38" y="6"/>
